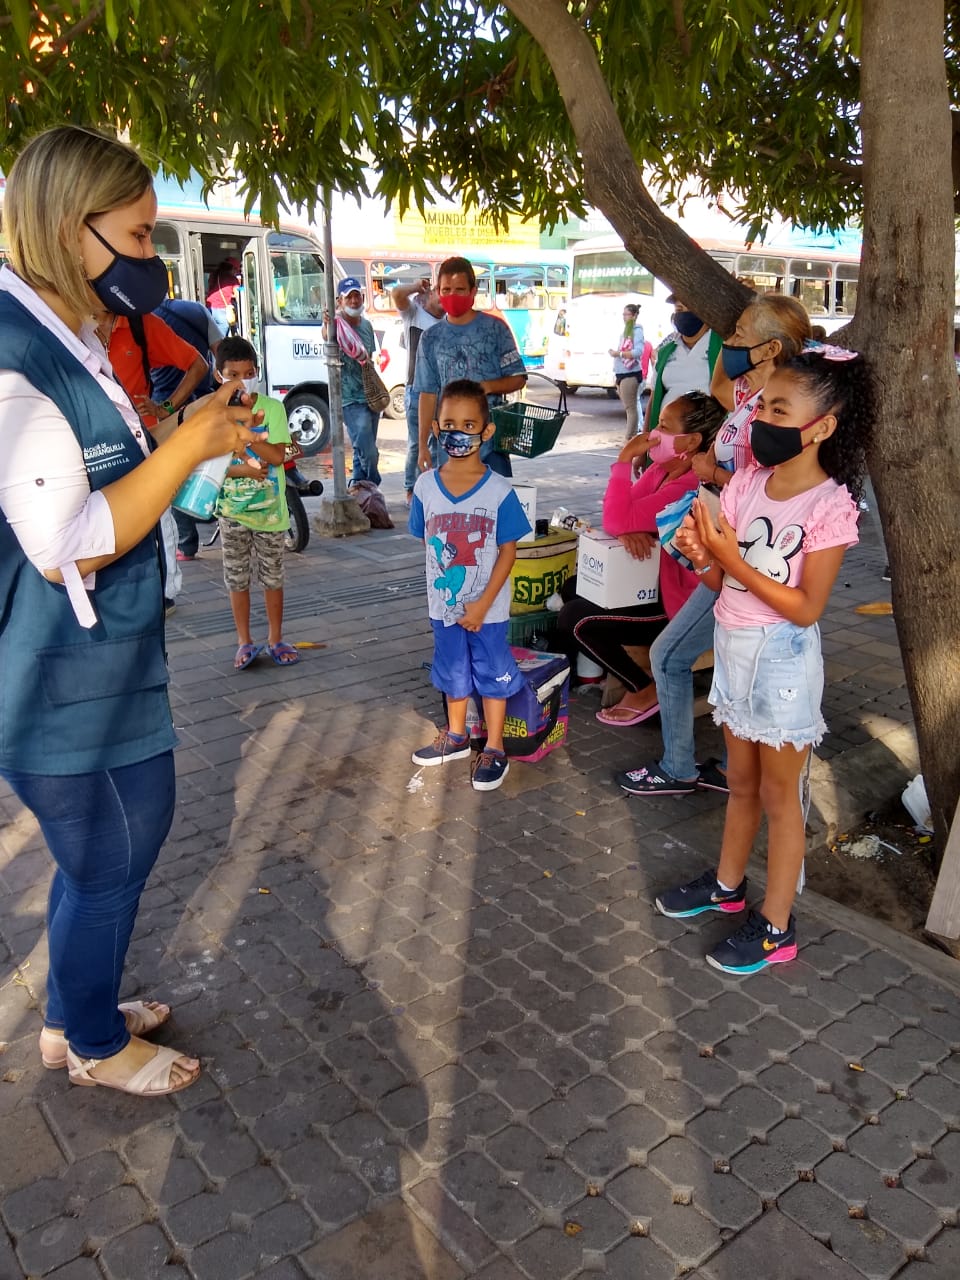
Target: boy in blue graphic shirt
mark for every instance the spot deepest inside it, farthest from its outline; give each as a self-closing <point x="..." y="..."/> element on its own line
<point x="470" y="521"/>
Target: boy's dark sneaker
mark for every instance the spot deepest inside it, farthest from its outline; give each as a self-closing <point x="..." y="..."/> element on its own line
<point x="700" y="895"/>
<point x="710" y="777"/>
<point x="489" y="770"/>
<point x="650" y="780"/>
<point x="445" y="746"/>
<point x="754" y="945"/>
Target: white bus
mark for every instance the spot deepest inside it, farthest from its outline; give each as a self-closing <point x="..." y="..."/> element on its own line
<point x="278" y="307"/>
<point x="605" y="276"/>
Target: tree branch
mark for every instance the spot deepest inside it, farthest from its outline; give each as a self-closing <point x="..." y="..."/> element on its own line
<point x="612" y="180"/>
<point x="681" y="28"/>
<point x="63" y="41"/>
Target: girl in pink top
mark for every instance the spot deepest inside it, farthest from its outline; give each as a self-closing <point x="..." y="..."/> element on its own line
<point x="784" y="526"/>
<point x="686" y="428"/>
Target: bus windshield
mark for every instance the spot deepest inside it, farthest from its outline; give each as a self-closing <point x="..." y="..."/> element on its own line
<point x="297" y="275"/>
<point x="609" y="272"/>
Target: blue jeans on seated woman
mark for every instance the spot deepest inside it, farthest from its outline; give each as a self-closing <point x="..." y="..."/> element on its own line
<point x="104" y="831"/>
<point x="672" y="655"/>
<point x="362" y="423"/>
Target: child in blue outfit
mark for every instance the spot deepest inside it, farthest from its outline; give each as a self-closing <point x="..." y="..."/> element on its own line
<point x="470" y="520"/>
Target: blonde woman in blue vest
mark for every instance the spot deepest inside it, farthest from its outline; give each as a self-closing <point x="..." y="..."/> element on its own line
<point x="86" y="737"/>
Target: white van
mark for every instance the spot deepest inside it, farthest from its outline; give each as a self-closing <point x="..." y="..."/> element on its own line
<point x="604" y="278"/>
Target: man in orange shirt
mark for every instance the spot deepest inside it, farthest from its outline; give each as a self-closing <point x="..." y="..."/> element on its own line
<point x="132" y="362"/>
<point x="132" y="359"/>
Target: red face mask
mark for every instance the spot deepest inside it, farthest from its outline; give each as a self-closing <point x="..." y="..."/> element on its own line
<point x="456" y="304"/>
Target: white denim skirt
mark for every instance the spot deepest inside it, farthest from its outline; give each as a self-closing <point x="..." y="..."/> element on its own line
<point x="768" y="684"/>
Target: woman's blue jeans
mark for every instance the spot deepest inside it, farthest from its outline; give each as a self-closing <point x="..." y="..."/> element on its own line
<point x="104" y="831"/>
<point x="362" y="423"/>
<point x="672" y="655"/>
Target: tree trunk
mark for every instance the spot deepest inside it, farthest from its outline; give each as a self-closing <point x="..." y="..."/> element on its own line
<point x="612" y="179"/>
<point x="904" y="319"/>
<point x="904" y="322"/>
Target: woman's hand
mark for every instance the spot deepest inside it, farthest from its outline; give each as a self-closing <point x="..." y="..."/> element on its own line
<point x="636" y="447"/>
<point x="217" y="427"/>
<point x="704" y="465"/>
<point x="639" y="545"/>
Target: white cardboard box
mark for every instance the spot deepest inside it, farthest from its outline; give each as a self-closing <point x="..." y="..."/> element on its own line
<point x="527" y="495"/>
<point x="607" y="575"/>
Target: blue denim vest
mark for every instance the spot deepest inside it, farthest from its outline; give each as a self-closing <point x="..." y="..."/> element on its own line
<point x="76" y="700"/>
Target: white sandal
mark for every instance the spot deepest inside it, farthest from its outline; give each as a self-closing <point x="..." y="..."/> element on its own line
<point x="156" y="1072"/>
<point x="140" y="1018"/>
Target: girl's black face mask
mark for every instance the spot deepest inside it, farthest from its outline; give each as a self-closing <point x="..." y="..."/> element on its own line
<point x="772" y="445"/>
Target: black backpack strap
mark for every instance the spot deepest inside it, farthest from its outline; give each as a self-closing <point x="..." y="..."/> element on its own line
<point x="140" y="338"/>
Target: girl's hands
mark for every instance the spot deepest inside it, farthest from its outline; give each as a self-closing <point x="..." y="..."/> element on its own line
<point x="720" y="543"/>
<point x="216" y="427"/>
<point x="688" y="540"/>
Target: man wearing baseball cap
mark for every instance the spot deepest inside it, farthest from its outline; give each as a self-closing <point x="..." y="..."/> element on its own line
<point x="357" y="344"/>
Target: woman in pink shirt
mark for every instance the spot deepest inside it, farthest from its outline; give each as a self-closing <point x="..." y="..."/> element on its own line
<point x="686" y="428"/>
<point x="784" y="526"/>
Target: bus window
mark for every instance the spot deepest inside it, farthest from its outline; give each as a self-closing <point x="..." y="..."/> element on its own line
<point x="296" y="273"/>
<point x="355" y="267"/>
<point x="810" y="283"/>
<point x="606" y="272"/>
<point x="558" y="280"/>
<point x="519" y="287"/>
<point x="166" y="241"/>
<point x="483" y="301"/>
<point x="846" y="275"/>
<point x="766" y="275"/>
<point x="385" y="276"/>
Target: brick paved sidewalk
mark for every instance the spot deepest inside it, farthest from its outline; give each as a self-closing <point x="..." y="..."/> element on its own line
<point x="445" y="1034"/>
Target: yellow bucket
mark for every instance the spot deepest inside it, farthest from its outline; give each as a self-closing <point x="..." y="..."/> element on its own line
<point x="541" y="568"/>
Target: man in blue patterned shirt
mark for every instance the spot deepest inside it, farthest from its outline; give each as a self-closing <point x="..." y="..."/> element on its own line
<point x="466" y="344"/>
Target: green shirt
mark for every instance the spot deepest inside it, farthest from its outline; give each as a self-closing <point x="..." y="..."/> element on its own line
<point x="260" y="504"/>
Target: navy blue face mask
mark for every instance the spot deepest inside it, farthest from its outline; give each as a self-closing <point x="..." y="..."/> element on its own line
<point x="736" y="360"/>
<point x="130" y="286"/>
<point x="687" y="323"/>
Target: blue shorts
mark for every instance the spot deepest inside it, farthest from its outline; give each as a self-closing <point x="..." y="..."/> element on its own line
<point x="768" y="684"/>
<point x="465" y="662"/>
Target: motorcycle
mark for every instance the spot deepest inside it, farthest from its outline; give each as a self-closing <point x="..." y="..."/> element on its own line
<point x="298" y="487"/>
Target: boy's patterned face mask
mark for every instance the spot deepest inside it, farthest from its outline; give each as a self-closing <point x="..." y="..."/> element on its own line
<point x="459" y="444"/>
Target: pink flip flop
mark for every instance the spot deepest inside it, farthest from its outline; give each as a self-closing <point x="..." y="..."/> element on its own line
<point x="621" y="722"/>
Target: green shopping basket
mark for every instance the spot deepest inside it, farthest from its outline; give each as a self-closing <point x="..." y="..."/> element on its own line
<point x="528" y="429"/>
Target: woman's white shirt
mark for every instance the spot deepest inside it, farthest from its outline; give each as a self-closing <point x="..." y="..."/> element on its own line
<point x="44" y="488"/>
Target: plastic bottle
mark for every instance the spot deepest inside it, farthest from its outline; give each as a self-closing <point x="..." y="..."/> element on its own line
<point x="198" y="494"/>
